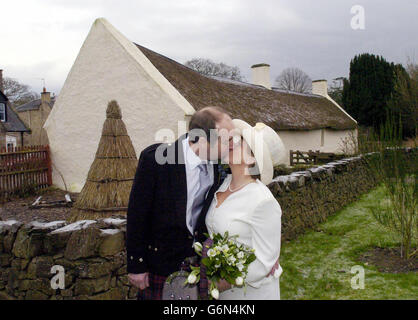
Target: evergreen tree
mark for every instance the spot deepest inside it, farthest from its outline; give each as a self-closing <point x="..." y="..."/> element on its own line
<point x="404" y="101"/>
<point x="369" y="88"/>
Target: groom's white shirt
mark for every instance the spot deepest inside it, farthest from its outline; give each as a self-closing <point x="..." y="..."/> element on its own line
<point x="192" y="176"/>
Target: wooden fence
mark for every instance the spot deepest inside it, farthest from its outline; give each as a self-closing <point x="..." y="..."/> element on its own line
<point x="312" y="157"/>
<point x="24" y="168"/>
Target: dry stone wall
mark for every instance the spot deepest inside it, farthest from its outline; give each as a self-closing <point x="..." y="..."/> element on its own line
<point x="92" y="252"/>
<point x="309" y="197"/>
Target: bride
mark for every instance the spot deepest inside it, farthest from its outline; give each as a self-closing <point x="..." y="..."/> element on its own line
<point x="244" y="206"/>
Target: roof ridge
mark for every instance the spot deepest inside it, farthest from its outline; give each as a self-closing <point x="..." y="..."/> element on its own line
<point x="26" y="103"/>
<point x="168" y="58"/>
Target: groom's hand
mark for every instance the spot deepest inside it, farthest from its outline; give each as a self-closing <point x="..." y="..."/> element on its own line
<point x="275" y="267"/>
<point x="140" y="280"/>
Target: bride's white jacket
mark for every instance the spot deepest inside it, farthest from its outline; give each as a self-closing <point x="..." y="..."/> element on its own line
<point x="254" y="215"/>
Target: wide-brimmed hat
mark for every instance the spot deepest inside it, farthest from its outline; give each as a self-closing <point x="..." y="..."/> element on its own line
<point x="266" y="145"/>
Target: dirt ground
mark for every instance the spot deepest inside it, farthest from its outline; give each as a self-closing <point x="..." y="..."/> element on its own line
<point x="411" y="142"/>
<point x="389" y="260"/>
<point x="18" y="208"/>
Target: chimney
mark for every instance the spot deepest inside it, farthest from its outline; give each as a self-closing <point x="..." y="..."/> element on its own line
<point x="320" y="87"/>
<point x="45" y="96"/>
<point x="261" y="75"/>
<point x="1" y="81"/>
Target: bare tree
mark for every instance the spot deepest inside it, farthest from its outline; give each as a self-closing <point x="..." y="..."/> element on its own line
<point x="294" y="79"/>
<point x="336" y="90"/>
<point x="209" y="68"/>
<point x="17" y="92"/>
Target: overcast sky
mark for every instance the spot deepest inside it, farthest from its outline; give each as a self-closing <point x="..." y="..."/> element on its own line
<point x="41" y="38"/>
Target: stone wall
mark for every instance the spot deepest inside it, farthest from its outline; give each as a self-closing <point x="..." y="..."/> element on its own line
<point x="35" y="119"/>
<point x="93" y="254"/>
<point x="309" y="197"/>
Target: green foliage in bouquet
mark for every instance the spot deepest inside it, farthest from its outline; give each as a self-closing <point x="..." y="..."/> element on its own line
<point x="226" y="259"/>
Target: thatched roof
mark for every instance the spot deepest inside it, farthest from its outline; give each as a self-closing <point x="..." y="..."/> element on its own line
<point x="278" y="109"/>
<point x="109" y="180"/>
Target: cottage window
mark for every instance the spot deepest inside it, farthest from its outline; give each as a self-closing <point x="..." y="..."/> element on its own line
<point x="2" y="112"/>
<point x="10" y="143"/>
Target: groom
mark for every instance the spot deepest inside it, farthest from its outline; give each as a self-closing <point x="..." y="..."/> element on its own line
<point x="168" y="202"/>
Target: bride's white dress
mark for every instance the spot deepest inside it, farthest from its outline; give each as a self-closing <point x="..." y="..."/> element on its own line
<point x="254" y="215"/>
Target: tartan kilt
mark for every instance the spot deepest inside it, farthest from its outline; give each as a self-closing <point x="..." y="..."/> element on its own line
<point x="156" y="285"/>
<point x="204" y="283"/>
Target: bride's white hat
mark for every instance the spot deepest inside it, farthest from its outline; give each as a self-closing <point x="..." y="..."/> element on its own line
<point x="266" y="145"/>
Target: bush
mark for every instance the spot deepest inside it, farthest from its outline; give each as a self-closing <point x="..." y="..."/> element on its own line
<point x="397" y="168"/>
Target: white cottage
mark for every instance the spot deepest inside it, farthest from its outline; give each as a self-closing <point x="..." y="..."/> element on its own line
<point x="157" y="93"/>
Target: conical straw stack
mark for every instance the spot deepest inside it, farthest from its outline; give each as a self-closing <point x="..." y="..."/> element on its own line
<point x="109" y="180"/>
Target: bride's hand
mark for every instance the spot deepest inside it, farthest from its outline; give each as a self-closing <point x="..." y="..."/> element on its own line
<point x="222" y="285"/>
<point x="273" y="270"/>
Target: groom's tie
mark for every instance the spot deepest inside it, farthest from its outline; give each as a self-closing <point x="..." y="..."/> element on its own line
<point x="200" y="194"/>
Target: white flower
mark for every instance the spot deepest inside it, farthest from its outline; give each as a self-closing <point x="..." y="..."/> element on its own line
<point x="240" y="266"/>
<point x="239" y="281"/>
<point x="191" y="278"/>
<point x="218" y="265"/>
<point x="215" y="294"/>
<point x="225" y="248"/>
<point x="240" y="255"/>
<point x="211" y="253"/>
<point x="198" y="247"/>
<point x="232" y="259"/>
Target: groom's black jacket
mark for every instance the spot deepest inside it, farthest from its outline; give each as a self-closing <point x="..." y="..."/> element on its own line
<point x="157" y="238"/>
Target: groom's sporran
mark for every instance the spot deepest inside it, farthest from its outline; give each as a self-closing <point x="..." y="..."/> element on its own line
<point x="176" y="286"/>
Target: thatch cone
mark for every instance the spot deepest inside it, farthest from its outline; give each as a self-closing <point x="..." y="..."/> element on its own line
<point x="109" y="181"/>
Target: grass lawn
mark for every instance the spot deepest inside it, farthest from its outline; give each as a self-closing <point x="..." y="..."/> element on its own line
<point x="317" y="265"/>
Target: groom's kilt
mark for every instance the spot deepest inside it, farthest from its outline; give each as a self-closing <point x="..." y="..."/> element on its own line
<point x="155" y="289"/>
<point x="156" y="283"/>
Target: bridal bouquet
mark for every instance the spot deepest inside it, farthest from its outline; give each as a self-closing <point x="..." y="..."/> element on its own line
<point x="226" y="259"/>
